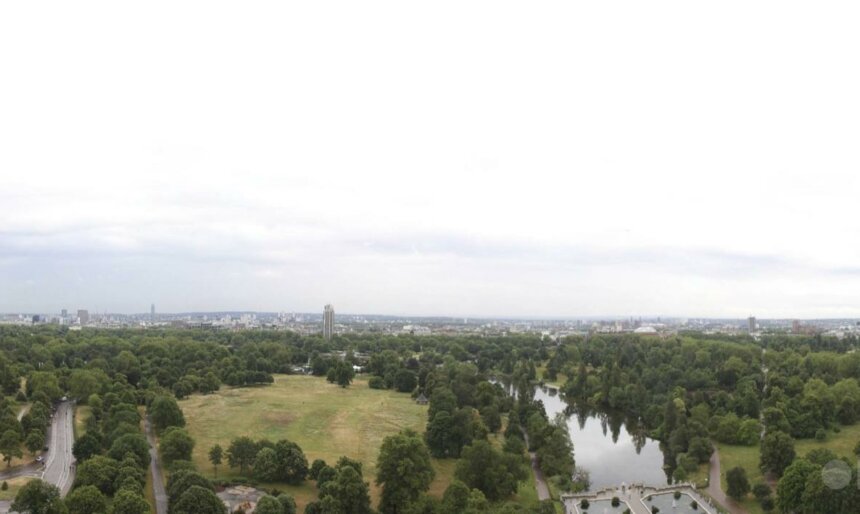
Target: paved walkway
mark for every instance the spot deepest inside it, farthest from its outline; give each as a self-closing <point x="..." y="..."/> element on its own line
<point x="540" y="482"/>
<point x="715" y="487"/>
<point x="633" y="498"/>
<point x="155" y="468"/>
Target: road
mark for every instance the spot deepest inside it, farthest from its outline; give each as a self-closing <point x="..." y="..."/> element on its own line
<point x="58" y="468"/>
<point x="59" y="465"/>
<point x="155" y="468"/>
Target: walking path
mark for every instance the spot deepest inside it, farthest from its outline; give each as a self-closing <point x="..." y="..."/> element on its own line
<point x="155" y="468"/>
<point x="715" y="487"/>
<point x="540" y="482"/>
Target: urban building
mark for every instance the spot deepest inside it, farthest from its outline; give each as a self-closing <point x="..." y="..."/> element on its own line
<point x="328" y="321"/>
<point x="83" y="316"/>
<point x="152" y="313"/>
<point x="752" y="324"/>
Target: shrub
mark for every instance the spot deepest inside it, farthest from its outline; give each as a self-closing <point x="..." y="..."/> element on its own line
<point x="677" y="494"/>
<point x="615" y="501"/>
<point x="820" y="434"/>
<point x="584" y="504"/>
<point x="694" y="505"/>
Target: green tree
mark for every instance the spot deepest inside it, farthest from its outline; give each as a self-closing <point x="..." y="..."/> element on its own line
<point x="494" y="473"/>
<point x="790" y="488"/>
<point x="341" y="373"/>
<point x="215" y="456"/>
<point x="10" y="446"/>
<point x="241" y="453"/>
<point x="88" y="445"/>
<point x="405" y="381"/>
<point x="127" y="501"/>
<point x="269" y="505"/>
<point x="348" y="491"/>
<point x="266" y="465"/>
<point x="198" y="500"/>
<point x="98" y="471"/>
<point x="34" y="441"/>
<point x="404" y="471"/>
<point x="176" y="444"/>
<point x="86" y="500"/>
<point x="165" y="412"/>
<point x="38" y="497"/>
<point x="777" y="452"/>
<point x="131" y="443"/>
<point x="287" y="503"/>
<point x="738" y="484"/>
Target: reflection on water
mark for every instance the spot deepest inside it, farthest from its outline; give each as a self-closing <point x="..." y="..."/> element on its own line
<point x="613" y="450"/>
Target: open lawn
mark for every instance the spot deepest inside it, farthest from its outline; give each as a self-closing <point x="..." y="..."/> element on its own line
<point x="842" y="444"/>
<point x="82" y="412"/>
<point x="14" y="485"/>
<point x="325" y="420"/>
<point x="746" y="457"/>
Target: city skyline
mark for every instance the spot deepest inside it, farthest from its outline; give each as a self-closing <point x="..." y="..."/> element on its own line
<point x="582" y="167"/>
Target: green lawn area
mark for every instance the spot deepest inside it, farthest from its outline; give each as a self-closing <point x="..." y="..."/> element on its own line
<point x="842" y="444"/>
<point x="82" y="412"/>
<point x="14" y="485"/>
<point x="746" y="457"/>
<point x="325" y="420"/>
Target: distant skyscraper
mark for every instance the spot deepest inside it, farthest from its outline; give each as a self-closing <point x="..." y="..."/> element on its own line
<point x="64" y="313"/>
<point x="84" y="316"/>
<point x="152" y="313"/>
<point x="752" y="323"/>
<point x="328" y="321"/>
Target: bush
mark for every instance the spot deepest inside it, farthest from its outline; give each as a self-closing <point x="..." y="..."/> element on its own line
<point x="820" y="434"/>
<point x="654" y="509"/>
<point x="584" y="504"/>
<point x="694" y="505"/>
<point x="761" y="490"/>
<point x="5" y="486"/>
<point x="376" y="382"/>
<point x="677" y="494"/>
<point x="615" y="501"/>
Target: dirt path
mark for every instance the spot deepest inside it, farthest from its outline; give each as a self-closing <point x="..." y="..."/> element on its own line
<point x="715" y="488"/>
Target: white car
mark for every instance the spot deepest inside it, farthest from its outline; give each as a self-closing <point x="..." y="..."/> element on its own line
<point x="39" y="458"/>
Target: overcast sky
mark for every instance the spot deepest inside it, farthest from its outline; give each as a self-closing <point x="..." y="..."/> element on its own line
<point x="431" y="158"/>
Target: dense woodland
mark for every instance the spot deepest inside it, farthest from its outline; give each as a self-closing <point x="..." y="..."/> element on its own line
<point x="685" y="391"/>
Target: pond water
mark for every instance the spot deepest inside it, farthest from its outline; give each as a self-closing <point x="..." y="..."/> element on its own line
<point x="612" y="449"/>
<point x="667" y="503"/>
<point x="603" y="507"/>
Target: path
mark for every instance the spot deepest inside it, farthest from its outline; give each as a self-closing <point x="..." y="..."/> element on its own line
<point x="540" y="482"/>
<point x="58" y="469"/>
<point x="715" y="487"/>
<point x="59" y="466"/>
<point x="155" y="468"/>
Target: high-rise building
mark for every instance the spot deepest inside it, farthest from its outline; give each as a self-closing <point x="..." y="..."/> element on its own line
<point x="328" y="321"/>
<point x="83" y="316"/>
<point x="752" y="324"/>
<point x="152" y="313"/>
<point x="64" y="313"/>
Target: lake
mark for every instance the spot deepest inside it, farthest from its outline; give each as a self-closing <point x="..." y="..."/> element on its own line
<point x="605" y="447"/>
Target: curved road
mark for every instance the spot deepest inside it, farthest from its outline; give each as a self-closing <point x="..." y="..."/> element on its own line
<point x="59" y="465"/>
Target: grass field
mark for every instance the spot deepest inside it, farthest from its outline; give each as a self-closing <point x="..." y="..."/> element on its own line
<point x="325" y="420"/>
<point x="842" y="444"/>
<point x="82" y="412"/>
<point x="14" y="485"/>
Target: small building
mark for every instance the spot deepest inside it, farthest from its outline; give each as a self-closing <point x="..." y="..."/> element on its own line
<point x="422" y="400"/>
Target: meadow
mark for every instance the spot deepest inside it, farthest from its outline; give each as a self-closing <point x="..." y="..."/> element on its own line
<point x="327" y="421"/>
